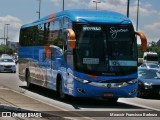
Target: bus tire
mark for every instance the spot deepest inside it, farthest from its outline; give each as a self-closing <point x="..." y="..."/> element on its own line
<point x="60" y="92"/>
<point x="28" y="80"/>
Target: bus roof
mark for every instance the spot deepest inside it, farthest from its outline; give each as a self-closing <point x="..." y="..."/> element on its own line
<point x="93" y="16"/>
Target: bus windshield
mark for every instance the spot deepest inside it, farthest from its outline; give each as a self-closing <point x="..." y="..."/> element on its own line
<point x="105" y="49"/>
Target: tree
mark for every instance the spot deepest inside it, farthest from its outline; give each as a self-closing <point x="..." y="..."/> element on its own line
<point x="4" y="49"/>
<point x="152" y="46"/>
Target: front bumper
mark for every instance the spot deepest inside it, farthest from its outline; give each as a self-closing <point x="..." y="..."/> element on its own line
<point x="84" y="88"/>
<point x="7" y="68"/>
<point x="150" y="92"/>
<point x="97" y="92"/>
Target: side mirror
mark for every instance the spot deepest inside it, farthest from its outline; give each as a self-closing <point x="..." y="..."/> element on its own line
<point x="143" y="40"/>
<point x="71" y="38"/>
<point x="47" y="51"/>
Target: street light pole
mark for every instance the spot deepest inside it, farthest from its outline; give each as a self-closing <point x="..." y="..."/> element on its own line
<point x="96" y="3"/>
<point x="137" y="15"/>
<point x="128" y="8"/>
<point x="7" y="34"/>
<point x="39" y="11"/>
<point x="4" y="34"/>
<point x="63" y="5"/>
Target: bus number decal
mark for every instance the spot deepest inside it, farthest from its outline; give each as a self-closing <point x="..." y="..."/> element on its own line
<point x="90" y="60"/>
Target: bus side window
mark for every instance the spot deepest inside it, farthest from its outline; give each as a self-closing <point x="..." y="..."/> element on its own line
<point x="40" y="40"/>
<point x="22" y="37"/>
<point x="54" y="34"/>
<point x="27" y="37"/>
<point x="67" y="24"/>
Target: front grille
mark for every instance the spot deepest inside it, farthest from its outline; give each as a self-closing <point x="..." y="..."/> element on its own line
<point x="156" y="90"/>
<point x="7" y="66"/>
<point x="156" y="87"/>
<point x="116" y="80"/>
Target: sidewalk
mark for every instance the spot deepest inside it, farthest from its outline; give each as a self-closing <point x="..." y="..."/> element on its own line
<point x="14" y="102"/>
<point x="21" y="106"/>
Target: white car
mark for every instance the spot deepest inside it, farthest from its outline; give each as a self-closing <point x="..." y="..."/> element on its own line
<point x="7" y="65"/>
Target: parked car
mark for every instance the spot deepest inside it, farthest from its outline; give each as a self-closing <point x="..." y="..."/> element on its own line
<point x="148" y="82"/>
<point x="7" y="65"/>
<point x="150" y="57"/>
<point x="4" y="55"/>
<point x="15" y="59"/>
<point x="150" y="66"/>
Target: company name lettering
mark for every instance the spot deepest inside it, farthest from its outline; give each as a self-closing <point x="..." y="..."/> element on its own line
<point x="115" y="31"/>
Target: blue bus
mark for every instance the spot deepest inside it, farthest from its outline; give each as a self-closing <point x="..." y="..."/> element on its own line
<point x="81" y="53"/>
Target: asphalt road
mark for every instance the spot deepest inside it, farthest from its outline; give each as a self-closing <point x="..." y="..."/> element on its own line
<point x="91" y="109"/>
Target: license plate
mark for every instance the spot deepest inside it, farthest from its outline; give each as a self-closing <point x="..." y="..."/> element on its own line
<point x="7" y="69"/>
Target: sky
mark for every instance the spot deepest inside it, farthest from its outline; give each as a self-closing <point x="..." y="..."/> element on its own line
<point x="19" y="12"/>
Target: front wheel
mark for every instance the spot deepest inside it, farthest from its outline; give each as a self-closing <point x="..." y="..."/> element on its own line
<point x="28" y="80"/>
<point x="61" y="94"/>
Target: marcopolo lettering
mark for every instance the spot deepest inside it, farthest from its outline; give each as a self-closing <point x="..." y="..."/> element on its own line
<point x="91" y="28"/>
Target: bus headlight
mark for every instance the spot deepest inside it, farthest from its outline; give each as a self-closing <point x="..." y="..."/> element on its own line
<point x="133" y="81"/>
<point x="79" y="79"/>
